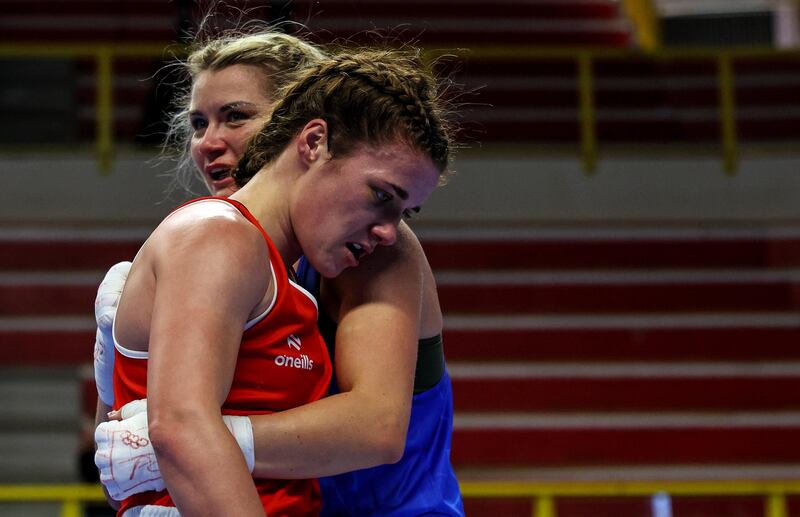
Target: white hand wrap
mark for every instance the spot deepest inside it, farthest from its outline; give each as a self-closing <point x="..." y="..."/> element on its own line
<point x="125" y="457"/>
<point x="105" y="309"/>
<point x="127" y="461"/>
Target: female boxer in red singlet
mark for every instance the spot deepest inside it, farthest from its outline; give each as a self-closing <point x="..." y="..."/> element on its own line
<point x="355" y="143"/>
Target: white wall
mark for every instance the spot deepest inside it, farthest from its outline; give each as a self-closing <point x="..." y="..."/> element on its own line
<point x="699" y="7"/>
<point x="67" y="188"/>
<point x="624" y="190"/>
<point x="64" y="189"/>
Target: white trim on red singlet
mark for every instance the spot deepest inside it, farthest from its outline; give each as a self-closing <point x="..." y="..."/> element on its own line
<point x="143" y="354"/>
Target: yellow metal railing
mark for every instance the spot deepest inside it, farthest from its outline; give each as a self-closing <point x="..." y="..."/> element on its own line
<point x="727" y="112"/>
<point x="105" y="54"/>
<point x="586" y="107"/>
<point x="586" y="57"/>
<point x="543" y="495"/>
<point x="71" y="497"/>
<point x="644" y="16"/>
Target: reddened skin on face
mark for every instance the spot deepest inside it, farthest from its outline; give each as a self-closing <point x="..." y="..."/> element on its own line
<point x="343" y="207"/>
<point x="228" y="106"/>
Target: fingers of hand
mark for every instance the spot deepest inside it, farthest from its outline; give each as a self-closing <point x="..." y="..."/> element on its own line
<point x="126" y="458"/>
<point x="133" y="408"/>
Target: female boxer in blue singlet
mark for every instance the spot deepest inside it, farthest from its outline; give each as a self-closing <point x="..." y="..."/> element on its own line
<point x="383" y="425"/>
<point x="423" y="481"/>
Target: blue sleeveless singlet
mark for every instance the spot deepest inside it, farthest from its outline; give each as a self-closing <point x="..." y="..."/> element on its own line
<point x="423" y="481"/>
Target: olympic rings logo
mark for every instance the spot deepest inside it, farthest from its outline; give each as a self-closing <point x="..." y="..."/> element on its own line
<point x="134" y="440"/>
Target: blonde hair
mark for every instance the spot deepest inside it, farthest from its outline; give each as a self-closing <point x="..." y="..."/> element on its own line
<point x="281" y="57"/>
<point x="365" y="96"/>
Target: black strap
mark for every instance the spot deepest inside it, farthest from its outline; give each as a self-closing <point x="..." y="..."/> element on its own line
<point x="430" y="363"/>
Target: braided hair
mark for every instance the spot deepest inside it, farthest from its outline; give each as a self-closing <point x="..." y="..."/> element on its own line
<point x="368" y="96"/>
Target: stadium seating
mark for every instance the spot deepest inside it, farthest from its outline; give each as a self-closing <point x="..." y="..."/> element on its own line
<point x="512" y="97"/>
<point x="446" y="25"/>
<point x="582" y="353"/>
<point x="577" y="354"/>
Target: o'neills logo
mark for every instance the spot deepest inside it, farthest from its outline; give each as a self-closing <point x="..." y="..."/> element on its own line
<point x="303" y="362"/>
